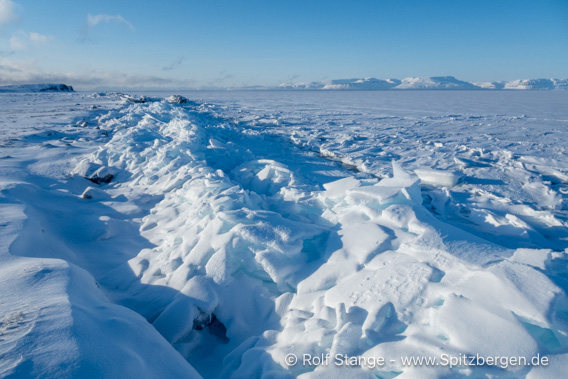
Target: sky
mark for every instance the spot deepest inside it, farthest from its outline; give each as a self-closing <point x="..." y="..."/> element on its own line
<point x="233" y="43"/>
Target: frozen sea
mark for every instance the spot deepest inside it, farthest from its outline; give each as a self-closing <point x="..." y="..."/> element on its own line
<point x="284" y="234"/>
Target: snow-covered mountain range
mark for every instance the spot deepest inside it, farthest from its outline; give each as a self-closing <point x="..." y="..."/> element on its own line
<point x="426" y="83"/>
<point x="367" y="84"/>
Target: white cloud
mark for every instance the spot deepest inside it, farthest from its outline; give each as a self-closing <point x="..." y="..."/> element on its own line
<point x="22" y="40"/>
<point x="93" y="21"/>
<point x="39" y="38"/>
<point x="7" y="12"/>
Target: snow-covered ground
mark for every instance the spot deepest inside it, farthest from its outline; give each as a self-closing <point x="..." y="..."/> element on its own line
<point x="228" y="234"/>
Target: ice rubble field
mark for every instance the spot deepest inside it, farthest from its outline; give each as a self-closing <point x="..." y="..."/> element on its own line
<point x="217" y="236"/>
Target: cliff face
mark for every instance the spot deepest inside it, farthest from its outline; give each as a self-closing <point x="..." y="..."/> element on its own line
<point x="57" y="88"/>
<point x="45" y="87"/>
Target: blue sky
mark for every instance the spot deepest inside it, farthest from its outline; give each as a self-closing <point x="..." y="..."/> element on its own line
<point x="191" y="44"/>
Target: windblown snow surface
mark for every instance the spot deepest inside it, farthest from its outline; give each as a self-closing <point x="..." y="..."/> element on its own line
<point x="226" y="234"/>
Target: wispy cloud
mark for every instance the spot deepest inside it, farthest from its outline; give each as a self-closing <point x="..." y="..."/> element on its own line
<point x="221" y="79"/>
<point x="173" y="65"/>
<point x="22" y="40"/>
<point x="94" y="20"/>
<point x="7" y="12"/>
<point x="27" y="71"/>
<point x="293" y="77"/>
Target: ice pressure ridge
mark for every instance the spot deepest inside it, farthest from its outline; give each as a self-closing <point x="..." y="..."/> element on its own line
<point x="285" y="262"/>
